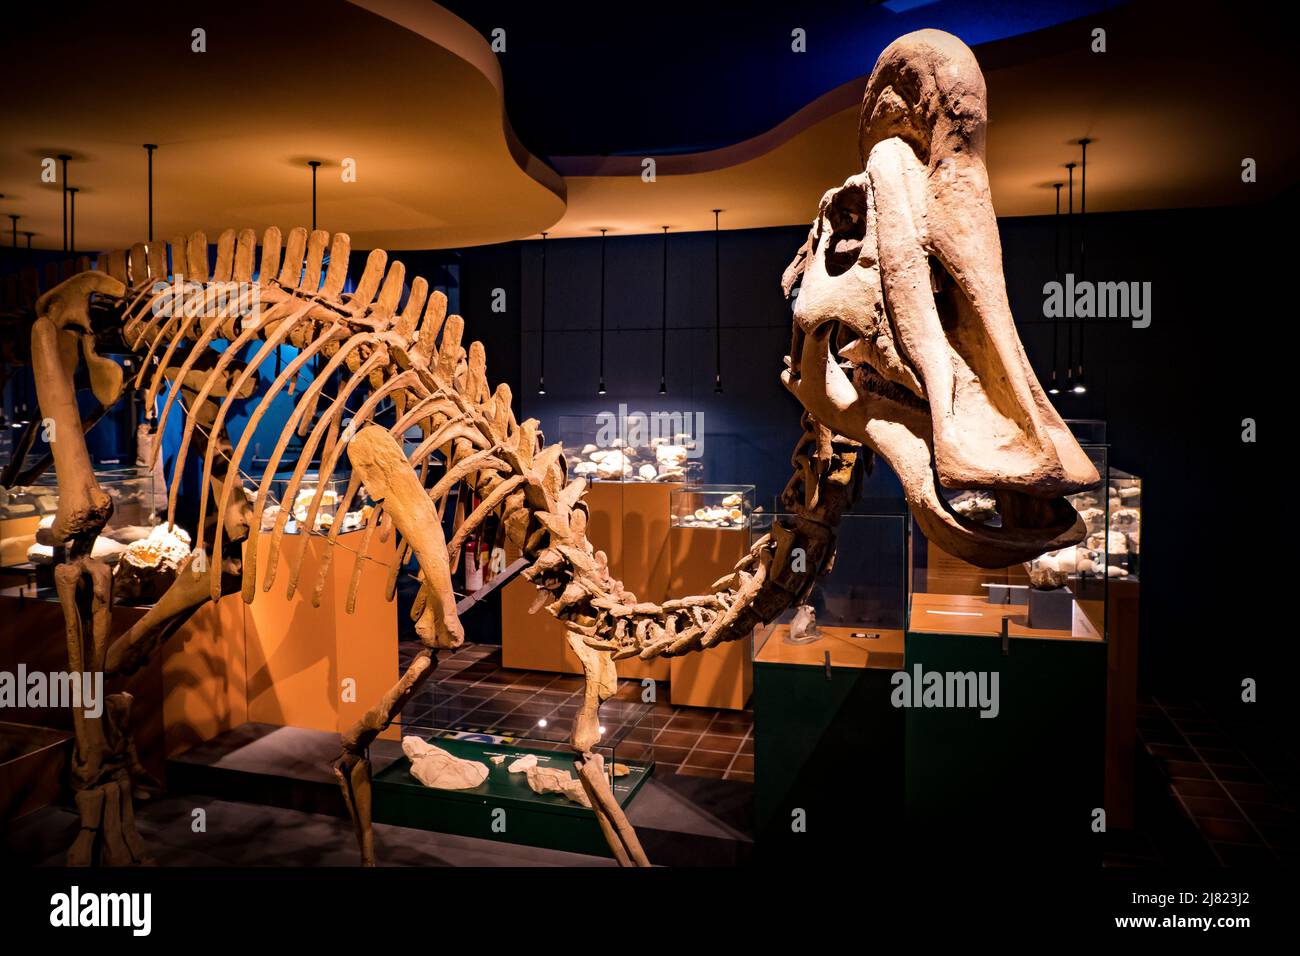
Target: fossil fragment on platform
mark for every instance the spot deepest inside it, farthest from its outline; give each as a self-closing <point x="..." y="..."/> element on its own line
<point x="554" y="780"/>
<point x="436" y="768"/>
<point x="148" y="566"/>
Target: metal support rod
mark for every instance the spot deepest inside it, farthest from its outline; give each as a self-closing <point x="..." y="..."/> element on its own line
<point x="1069" y="268"/>
<point x="1083" y="226"/>
<point x="663" y="335"/>
<point x="314" y="164"/>
<point x="717" y="303"/>
<point x="64" y="157"/>
<point x="72" y="220"/>
<point x="600" y="386"/>
<point x="149" y="148"/>
<point x="541" y="371"/>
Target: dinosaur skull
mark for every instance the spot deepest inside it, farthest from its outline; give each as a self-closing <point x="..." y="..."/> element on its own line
<point x="903" y="337"/>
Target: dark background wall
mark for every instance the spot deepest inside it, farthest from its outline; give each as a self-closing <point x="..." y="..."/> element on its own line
<point x="1173" y="394"/>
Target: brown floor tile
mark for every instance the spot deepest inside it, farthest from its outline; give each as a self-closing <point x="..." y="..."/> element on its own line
<point x="676" y="738"/>
<point x="739" y="775"/>
<point x="699" y="772"/>
<point x="1228" y="831"/>
<point x="690" y="721"/>
<point x="1228" y="756"/>
<point x="1236" y="854"/>
<point x="1253" y="792"/>
<point x="1186" y="768"/>
<point x="673" y="755"/>
<point x="1198" y="788"/>
<point x="1268" y="814"/>
<point x="1212" y="807"/>
<point x="726" y="725"/>
<point x="708" y="758"/>
<point x="719" y="743"/>
<point x="1236" y="774"/>
<point x="743" y="763"/>
<point x="1172" y="752"/>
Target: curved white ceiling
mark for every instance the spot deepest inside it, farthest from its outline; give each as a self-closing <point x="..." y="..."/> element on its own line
<point x="409" y="92"/>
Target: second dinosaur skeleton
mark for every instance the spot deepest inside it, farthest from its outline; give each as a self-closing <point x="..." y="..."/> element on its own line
<point x="903" y="345"/>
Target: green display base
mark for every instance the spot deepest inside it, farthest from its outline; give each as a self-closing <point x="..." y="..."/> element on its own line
<point x="1027" y="782"/>
<point x="502" y="807"/>
<point x="828" y="744"/>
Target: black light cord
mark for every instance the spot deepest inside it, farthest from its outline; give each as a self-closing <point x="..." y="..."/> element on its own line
<point x="72" y="220"/>
<point x="1083" y="268"/>
<point x="149" y="148"/>
<point x="663" y="335"/>
<point x="314" y="164"/>
<point x="1069" y="268"/>
<point x="64" y="157"/>
<point x="717" y="304"/>
<point x="541" y="371"/>
<point x="1053" y="388"/>
<point x="600" y="386"/>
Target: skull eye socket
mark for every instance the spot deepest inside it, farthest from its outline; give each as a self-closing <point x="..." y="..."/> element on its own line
<point x="846" y="215"/>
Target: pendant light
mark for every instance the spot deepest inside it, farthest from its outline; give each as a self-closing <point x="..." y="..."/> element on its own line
<point x="315" y="165"/>
<point x="72" y="220"/>
<point x="1069" y="271"/>
<point x="1079" y="386"/>
<point x="717" y="305"/>
<point x="541" y="371"/>
<point x="63" y="158"/>
<point x="663" y="333"/>
<point x="1054" y="387"/>
<point x="149" y="148"/>
<point x="600" y="387"/>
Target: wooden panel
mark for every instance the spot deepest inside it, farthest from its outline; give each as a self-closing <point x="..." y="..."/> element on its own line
<point x="203" y="677"/>
<point x="721" y="676"/>
<point x="299" y="655"/>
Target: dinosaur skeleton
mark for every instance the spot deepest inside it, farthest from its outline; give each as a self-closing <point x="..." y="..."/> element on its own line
<point x="903" y="260"/>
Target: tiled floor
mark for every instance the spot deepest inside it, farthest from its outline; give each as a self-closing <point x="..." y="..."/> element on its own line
<point x="1209" y="791"/>
<point x="1237" y="783"/>
<point x="471" y="691"/>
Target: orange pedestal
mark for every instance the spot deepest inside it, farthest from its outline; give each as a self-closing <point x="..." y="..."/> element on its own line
<point x="721" y="676"/>
<point x="629" y="522"/>
<point x="320" y="667"/>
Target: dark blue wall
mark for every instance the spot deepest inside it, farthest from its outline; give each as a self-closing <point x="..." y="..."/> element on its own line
<point x="1174" y="394"/>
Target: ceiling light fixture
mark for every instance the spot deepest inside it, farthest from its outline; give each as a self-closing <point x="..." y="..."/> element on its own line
<point x="1069" y="270"/>
<point x="600" y="387"/>
<point x="1054" y="387"/>
<point x="72" y="220"/>
<point x="315" y="165"/>
<point x="63" y="158"/>
<point x="663" y="335"/>
<point x="541" y="371"/>
<point x="717" y="305"/>
<point x="149" y="148"/>
<point x="1079" y="386"/>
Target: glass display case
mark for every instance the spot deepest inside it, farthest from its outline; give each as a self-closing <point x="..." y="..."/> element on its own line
<point x="139" y="505"/>
<point x="854" y="613"/>
<point x="632" y="447"/>
<point x="720" y="507"/>
<point x="500" y="730"/>
<point x="327" y="512"/>
<point x="1059" y="593"/>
